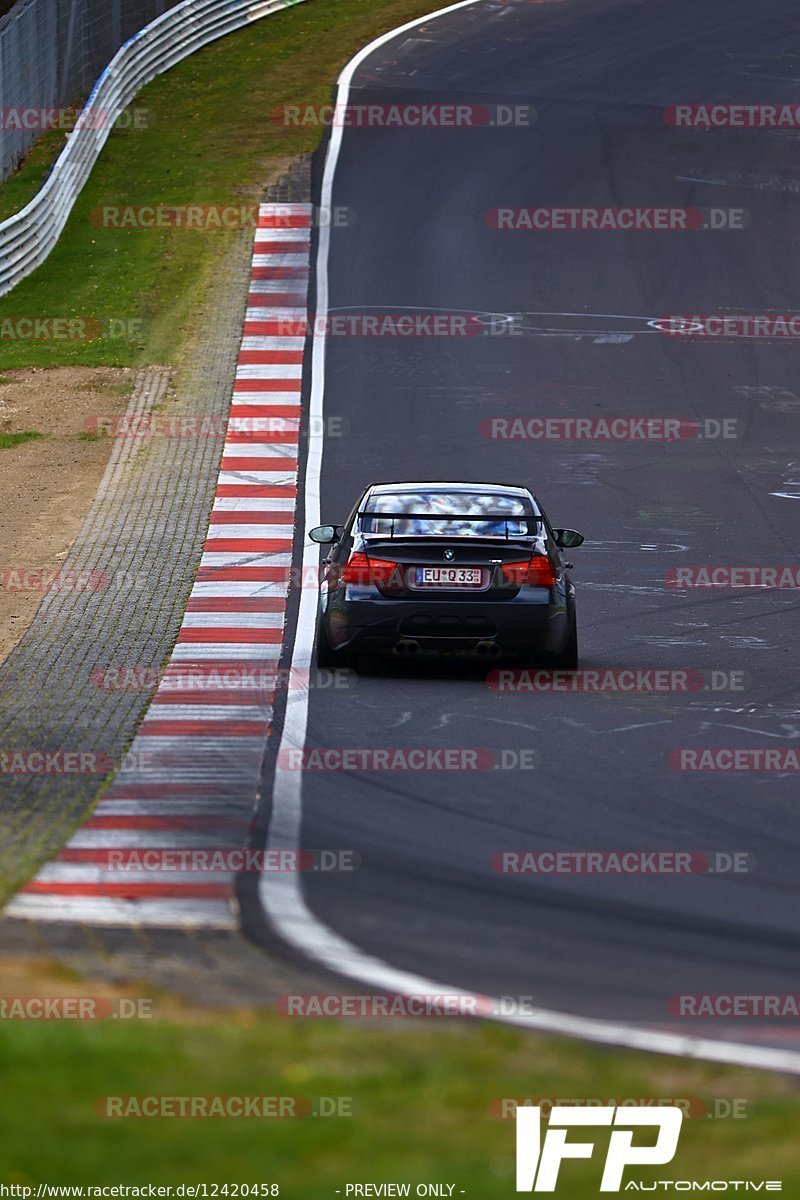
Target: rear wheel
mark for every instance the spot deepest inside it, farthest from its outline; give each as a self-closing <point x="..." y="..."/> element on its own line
<point x="328" y="659"/>
<point x="567" y="660"/>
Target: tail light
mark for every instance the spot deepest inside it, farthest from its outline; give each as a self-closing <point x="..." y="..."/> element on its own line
<point x="536" y="571"/>
<point x="359" y="569"/>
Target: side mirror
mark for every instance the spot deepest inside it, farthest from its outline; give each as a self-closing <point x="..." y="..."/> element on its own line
<point x="325" y="535"/>
<point x="568" y="539"/>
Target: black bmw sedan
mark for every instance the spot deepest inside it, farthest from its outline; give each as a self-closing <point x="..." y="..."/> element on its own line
<point x="470" y="569"/>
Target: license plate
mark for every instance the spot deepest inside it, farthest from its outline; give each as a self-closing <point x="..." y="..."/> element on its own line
<point x="449" y="577"/>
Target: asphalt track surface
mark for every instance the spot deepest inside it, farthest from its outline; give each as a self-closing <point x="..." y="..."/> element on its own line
<point x="426" y="899"/>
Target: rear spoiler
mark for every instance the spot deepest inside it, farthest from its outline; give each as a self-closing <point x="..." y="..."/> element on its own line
<point x="531" y="520"/>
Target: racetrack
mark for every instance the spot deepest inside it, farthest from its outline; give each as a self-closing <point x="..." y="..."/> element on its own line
<point x="426" y="899"/>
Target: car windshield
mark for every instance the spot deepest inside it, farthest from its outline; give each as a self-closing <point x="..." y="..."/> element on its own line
<point x="447" y="511"/>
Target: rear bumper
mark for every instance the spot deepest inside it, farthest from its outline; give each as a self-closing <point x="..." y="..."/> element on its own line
<point x="536" y="619"/>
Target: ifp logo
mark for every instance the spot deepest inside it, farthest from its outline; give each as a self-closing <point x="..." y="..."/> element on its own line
<point x="538" y="1164"/>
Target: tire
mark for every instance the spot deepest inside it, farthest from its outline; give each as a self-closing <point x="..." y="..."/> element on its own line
<point x="328" y="659"/>
<point x="567" y="660"/>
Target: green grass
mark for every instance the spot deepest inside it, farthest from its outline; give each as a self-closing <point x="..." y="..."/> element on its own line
<point x="421" y="1098"/>
<point x="9" y="440"/>
<point x="210" y="140"/>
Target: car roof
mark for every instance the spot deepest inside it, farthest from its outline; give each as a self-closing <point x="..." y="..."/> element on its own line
<point x="450" y="486"/>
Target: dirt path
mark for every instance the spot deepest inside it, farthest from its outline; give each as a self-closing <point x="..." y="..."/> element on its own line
<point x="48" y="484"/>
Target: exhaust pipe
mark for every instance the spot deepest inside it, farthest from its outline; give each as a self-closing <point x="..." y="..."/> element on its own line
<point x="407" y="647"/>
<point x="487" y="649"/>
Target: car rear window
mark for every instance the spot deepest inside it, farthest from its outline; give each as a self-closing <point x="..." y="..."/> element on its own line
<point x="447" y="511"/>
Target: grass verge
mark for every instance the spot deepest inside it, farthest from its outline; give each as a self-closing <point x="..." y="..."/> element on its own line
<point x="423" y="1096"/>
<point x="210" y="139"/>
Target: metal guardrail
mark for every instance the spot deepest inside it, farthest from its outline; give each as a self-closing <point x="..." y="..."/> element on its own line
<point x="27" y="238"/>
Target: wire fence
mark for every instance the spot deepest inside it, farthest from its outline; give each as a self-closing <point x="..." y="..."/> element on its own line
<point x="27" y="237"/>
<point x="51" y="52"/>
